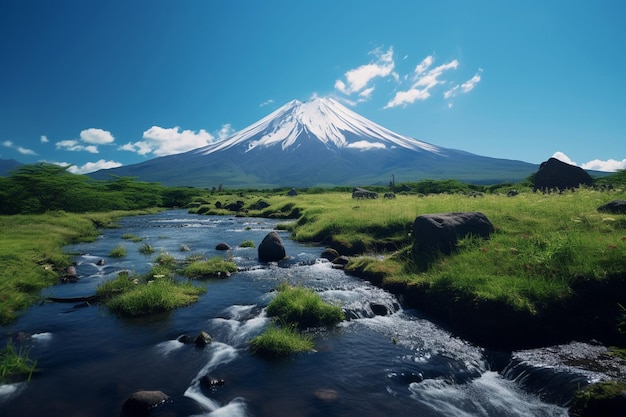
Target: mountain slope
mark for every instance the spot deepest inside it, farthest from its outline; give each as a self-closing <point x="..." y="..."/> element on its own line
<point x="319" y="143"/>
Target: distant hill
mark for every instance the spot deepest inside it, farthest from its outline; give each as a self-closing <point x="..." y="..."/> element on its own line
<point x="319" y="143"/>
<point x="8" y="165"/>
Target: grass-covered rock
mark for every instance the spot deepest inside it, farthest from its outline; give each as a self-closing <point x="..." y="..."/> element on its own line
<point x="303" y="308"/>
<point x="280" y="341"/>
<point x="216" y="267"/>
<point x="154" y="292"/>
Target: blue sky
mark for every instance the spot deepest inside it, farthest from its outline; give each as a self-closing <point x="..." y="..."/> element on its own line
<point x="107" y="83"/>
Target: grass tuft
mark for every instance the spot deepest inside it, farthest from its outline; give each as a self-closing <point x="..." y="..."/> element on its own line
<point x="280" y="341"/>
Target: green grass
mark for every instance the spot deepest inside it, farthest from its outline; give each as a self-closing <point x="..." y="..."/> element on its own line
<point x="146" y="249"/>
<point x="303" y="308"/>
<point x="247" y="244"/>
<point x="280" y="341"/>
<point x="118" y="252"/>
<point x="131" y="237"/>
<point x="155" y="292"/>
<point x="210" y="268"/>
<point x="15" y="365"/>
<point x="31" y="253"/>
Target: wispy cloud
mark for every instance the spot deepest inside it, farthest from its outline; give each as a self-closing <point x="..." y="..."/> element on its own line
<point x="419" y="84"/>
<point x="88" y="141"/>
<point x="24" y="151"/>
<point x="357" y="80"/>
<point x="44" y="139"/>
<point x="75" y="146"/>
<point x="610" y="165"/>
<point x="424" y="80"/>
<point x="168" y="141"/>
<point x="266" y="103"/>
<point x="464" y="88"/>
<point x="225" y="131"/>
<point x="93" y="166"/>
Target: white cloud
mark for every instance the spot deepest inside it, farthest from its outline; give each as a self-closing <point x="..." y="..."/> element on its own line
<point x="44" y="139"/>
<point x="424" y="80"/>
<point x="610" y="165"/>
<point x="168" y="141"/>
<point x="364" y="145"/>
<point x="424" y="65"/>
<point x="563" y="158"/>
<point x="357" y="79"/>
<point x="75" y="146"/>
<point x="141" y="147"/>
<point x="266" y="103"/>
<point x="469" y="85"/>
<point x="24" y="151"/>
<point x="93" y="166"/>
<point x="225" y="131"/>
<point x="464" y="88"/>
<point x="96" y="136"/>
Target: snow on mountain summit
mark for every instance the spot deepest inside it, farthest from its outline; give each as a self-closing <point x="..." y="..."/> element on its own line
<point x="323" y="119"/>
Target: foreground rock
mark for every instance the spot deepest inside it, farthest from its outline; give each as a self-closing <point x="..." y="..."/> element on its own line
<point x="613" y="207"/>
<point x="361" y="193"/>
<point x="140" y="403"/>
<point x="271" y="248"/>
<point x="556" y="175"/>
<point x="437" y="234"/>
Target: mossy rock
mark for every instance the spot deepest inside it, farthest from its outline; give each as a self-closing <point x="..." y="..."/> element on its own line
<point x="605" y="399"/>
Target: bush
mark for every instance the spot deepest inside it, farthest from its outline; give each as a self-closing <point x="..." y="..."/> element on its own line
<point x="280" y="341"/>
<point x="247" y="244"/>
<point x="303" y="307"/>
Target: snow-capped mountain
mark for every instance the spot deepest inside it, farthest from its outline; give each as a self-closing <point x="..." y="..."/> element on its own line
<point x="318" y="143"/>
<point x="324" y="119"/>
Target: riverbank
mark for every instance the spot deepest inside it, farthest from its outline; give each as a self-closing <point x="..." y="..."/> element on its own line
<point x="31" y="251"/>
<point x="553" y="270"/>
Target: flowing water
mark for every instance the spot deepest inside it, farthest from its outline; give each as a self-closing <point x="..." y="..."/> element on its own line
<point x="383" y="361"/>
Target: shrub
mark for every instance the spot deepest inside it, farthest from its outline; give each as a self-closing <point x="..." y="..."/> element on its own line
<point x="280" y="341"/>
<point x="247" y="244"/>
<point x="214" y="267"/>
<point x="303" y="307"/>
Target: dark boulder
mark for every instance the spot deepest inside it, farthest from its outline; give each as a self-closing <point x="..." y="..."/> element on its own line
<point x="613" y="207"/>
<point x="362" y="193"/>
<point x="202" y="339"/>
<point x="271" y="248"/>
<point x="389" y="196"/>
<point x="211" y="383"/>
<point x="236" y="206"/>
<point x="557" y="175"/>
<point x="259" y="205"/>
<point x="330" y="254"/>
<point x="140" y="403"/>
<point x="437" y="234"/>
<point x="292" y="192"/>
<point x="512" y="193"/>
<point x="222" y="246"/>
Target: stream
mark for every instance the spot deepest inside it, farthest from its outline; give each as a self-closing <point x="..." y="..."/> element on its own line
<point x="382" y="361"/>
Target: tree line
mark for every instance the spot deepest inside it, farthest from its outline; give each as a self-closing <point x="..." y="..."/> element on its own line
<point x="42" y="187"/>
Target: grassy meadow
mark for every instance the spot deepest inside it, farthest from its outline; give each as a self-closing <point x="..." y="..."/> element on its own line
<point x="31" y="252"/>
<point x="546" y="251"/>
